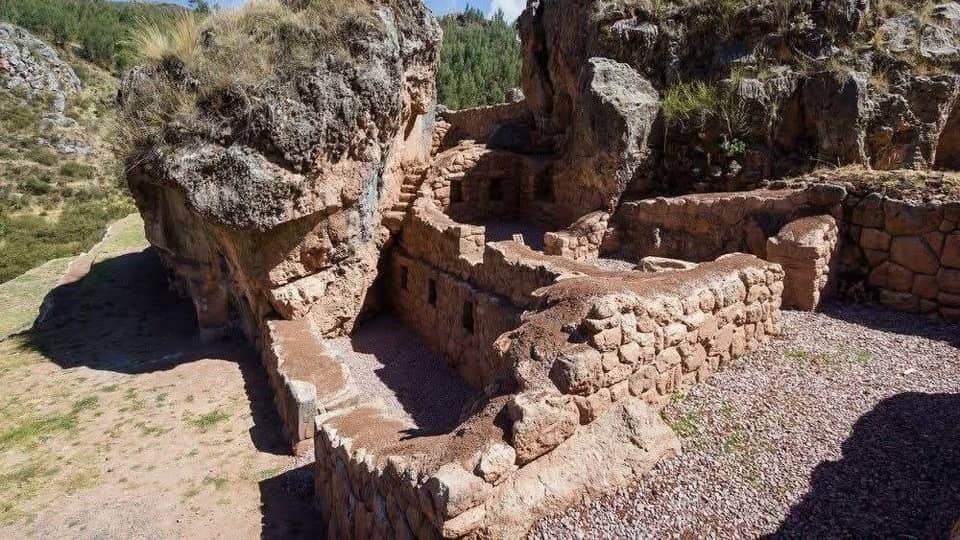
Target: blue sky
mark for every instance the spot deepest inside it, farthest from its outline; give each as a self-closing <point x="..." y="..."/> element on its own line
<point x="511" y="8"/>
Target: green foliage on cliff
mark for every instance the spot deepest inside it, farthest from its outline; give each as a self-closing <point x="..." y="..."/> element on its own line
<point x="96" y="30"/>
<point x="480" y="62"/>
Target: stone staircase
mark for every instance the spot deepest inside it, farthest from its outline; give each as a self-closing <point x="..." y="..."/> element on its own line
<point x="393" y="218"/>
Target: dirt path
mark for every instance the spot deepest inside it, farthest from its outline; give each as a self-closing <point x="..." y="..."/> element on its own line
<point x="115" y="421"/>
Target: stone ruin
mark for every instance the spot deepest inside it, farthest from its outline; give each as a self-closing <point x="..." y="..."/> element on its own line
<point x="528" y="250"/>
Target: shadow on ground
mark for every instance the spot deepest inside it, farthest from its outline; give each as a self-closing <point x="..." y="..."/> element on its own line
<point x="122" y="317"/>
<point x="896" y="322"/>
<point x="286" y="506"/>
<point x="899" y="476"/>
<point x="423" y="385"/>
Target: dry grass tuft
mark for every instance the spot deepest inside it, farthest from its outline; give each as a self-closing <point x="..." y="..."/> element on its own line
<point x="231" y="56"/>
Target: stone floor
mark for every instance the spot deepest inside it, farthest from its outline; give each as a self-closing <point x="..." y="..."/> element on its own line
<point x="389" y="364"/>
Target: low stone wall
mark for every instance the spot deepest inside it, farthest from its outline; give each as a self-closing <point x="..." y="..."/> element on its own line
<point x="304" y="379"/>
<point x="481" y="124"/>
<point x="469" y="484"/>
<point x="646" y="335"/>
<point x="703" y="227"/>
<point x="587" y="238"/>
<point x="906" y="254"/>
<point x="452" y="316"/>
<point x="472" y="183"/>
<point x="805" y="249"/>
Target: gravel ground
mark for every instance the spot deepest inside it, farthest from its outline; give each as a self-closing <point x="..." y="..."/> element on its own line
<point x="847" y="427"/>
<point x="390" y="364"/>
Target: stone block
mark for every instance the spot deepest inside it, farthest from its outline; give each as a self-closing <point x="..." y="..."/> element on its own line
<point x="540" y="421"/>
<point x="667" y="359"/>
<point x="951" y="251"/>
<point x="925" y="286"/>
<point x="913" y="253"/>
<point x="454" y="490"/>
<point x="496" y="463"/>
<point x="902" y="218"/>
<point x="875" y="239"/>
<point x="949" y="280"/>
<point x="578" y="370"/>
<point x="899" y="301"/>
<point x="869" y="213"/>
<point x="949" y="300"/>
<point x="892" y="276"/>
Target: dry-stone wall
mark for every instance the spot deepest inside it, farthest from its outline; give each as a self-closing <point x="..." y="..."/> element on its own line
<point x="906" y="253"/>
<point x="804" y="249"/>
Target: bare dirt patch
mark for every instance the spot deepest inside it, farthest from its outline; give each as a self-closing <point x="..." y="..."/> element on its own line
<point x="115" y="421"/>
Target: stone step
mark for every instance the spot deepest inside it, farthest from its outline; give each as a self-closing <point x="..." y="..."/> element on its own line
<point x="407" y="197"/>
<point x="409" y="189"/>
<point x="393" y="219"/>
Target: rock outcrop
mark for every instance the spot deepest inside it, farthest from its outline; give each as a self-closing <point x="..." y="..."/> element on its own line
<point x="749" y="90"/>
<point x="275" y="211"/>
<point x="30" y="66"/>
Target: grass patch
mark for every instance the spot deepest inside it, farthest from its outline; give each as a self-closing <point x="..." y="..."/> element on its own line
<point x="18" y="485"/>
<point x="796" y="354"/>
<point x="40" y="428"/>
<point x="687" y="425"/>
<point x="218" y="482"/>
<point x="206" y="422"/>
<point x="28" y="240"/>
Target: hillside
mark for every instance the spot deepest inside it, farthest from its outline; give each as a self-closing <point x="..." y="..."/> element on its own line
<point x="58" y="174"/>
<point x="480" y="61"/>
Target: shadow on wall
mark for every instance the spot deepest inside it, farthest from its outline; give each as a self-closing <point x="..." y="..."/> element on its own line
<point x="286" y="505"/>
<point x="122" y="317"/>
<point x="899" y="476"/>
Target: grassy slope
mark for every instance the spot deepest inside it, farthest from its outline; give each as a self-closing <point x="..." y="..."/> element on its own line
<point x="54" y="203"/>
<point x="21" y="297"/>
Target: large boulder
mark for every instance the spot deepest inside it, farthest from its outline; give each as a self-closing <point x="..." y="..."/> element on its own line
<point x="268" y="201"/>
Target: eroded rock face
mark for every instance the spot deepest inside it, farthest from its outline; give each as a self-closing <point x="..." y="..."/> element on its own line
<point x="279" y="212"/>
<point x="792" y="86"/>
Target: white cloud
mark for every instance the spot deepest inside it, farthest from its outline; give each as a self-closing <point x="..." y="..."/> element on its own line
<point x="511" y="8"/>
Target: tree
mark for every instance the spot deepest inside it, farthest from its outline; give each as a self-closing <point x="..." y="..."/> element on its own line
<point x="480" y="62"/>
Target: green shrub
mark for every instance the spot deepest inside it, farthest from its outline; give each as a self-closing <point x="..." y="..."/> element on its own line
<point x="72" y="169"/>
<point x="35" y="186"/>
<point x="42" y="156"/>
<point x="690" y="102"/>
<point x="27" y="241"/>
<point x="99" y="31"/>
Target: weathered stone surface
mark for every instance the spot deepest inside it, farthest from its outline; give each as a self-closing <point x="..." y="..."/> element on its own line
<point x="31" y="66"/>
<point x="614" y="112"/>
<point x="577" y="372"/>
<point x="285" y="206"/>
<point x="951" y="251"/>
<point x="540" y="421"/>
<point x="875" y="239"/>
<point x="454" y="490"/>
<point x="892" y="276"/>
<point x="913" y="253"/>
